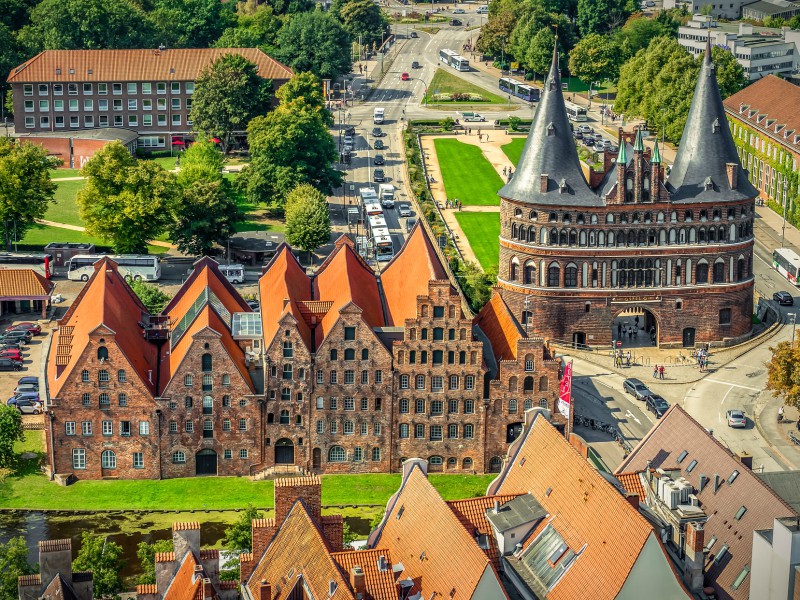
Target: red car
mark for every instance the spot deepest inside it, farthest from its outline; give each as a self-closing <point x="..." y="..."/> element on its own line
<point x="405" y="77"/>
<point x="11" y="353"/>
<point x="33" y="328"/>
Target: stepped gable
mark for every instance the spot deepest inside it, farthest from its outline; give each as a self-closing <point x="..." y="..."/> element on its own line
<point x="500" y="327"/>
<point x="106" y="301"/>
<point x="283" y="285"/>
<point x="344" y="277"/>
<point x="550" y="152"/>
<point x="699" y="173"/>
<point x="406" y="277"/>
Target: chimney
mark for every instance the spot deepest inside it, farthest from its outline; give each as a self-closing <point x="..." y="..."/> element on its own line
<point x="291" y="489"/>
<point x="185" y="538"/>
<point x="745" y="458"/>
<point x="358" y="581"/>
<point x="333" y="530"/>
<point x="543" y="179"/>
<point x="55" y="556"/>
<point x="208" y="590"/>
<point x="262" y="530"/>
<point x="633" y="500"/>
<point x="694" y="556"/>
<point x="496" y="506"/>
<point x="732" y="170"/>
<point x="264" y="591"/>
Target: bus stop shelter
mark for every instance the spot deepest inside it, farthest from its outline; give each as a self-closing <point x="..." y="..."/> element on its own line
<point x="24" y="291"/>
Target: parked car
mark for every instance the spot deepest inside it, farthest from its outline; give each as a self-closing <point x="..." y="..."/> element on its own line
<point x="459" y="11"/>
<point x="377" y="132"/>
<point x="577" y="135"/>
<point x="635" y="387"/>
<point x="736" y="418"/>
<point x="404" y="210"/>
<point x="350" y="130"/>
<point x="28" y="407"/>
<point x="588" y="142"/>
<point x="28" y="379"/>
<point x="9" y="364"/>
<point x="33" y="328"/>
<point x="13" y="353"/>
<point x="17" y="344"/>
<point x="9" y="340"/>
<point x="607" y="144"/>
<point x="378" y="175"/>
<point x="414" y="34"/>
<point x="783" y="298"/>
<point x="18" y="333"/>
<point x="456" y="22"/>
<point x="657" y="405"/>
<point x="379" y="145"/>
<point x="416" y="65"/>
<point x="405" y="77"/>
<point x="24" y="396"/>
<point x="378" y="160"/>
<point x="410" y="224"/>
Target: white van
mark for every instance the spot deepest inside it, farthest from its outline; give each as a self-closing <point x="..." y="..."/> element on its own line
<point x="387" y="195"/>
<point x="377" y="116"/>
<point x="483" y="9"/>
<point x="233" y="273"/>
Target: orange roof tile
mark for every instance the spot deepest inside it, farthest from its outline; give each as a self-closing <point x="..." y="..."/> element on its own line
<point x="299" y="550"/>
<point x="587" y="511"/>
<point x="423" y="533"/>
<point x="105" y="300"/>
<point x="500" y="326"/>
<point x="283" y="284"/>
<point x="676" y="432"/>
<point x="343" y="278"/>
<point x="24" y="283"/>
<point x="472" y="514"/>
<point x="206" y="274"/>
<point x="380" y="584"/>
<point x="179" y="64"/>
<point x="632" y="482"/>
<point x="184" y="584"/>
<point x="408" y="274"/>
<point x="147" y="588"/>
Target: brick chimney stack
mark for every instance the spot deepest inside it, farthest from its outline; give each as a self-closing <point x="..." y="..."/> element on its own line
<point x="185" y="539"/>
<point x="291" y="489"/>
<point x="543" y="179"/>
<point x="358" y="581"/>
<point x="264" y="590"/>
<point x="208" y="590"/>
<point x="55" y="556"/>
<point x="732" y="171"/>
<point x="263" y="530"/>
<point x="694" y="556"/>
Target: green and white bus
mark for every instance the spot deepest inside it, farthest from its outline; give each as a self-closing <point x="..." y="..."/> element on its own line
<point x="787" y="263"/>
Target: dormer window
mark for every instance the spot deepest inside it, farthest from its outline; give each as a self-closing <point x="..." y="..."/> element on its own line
<point x="562" y="187"/>
<point x="552" y="84"/>
<point x="551" y="130"/>
<point x="565" y="218"/>
<point x="743" y="107"/>
<point x="708" y="184"/>
<point x="715" y="126"/>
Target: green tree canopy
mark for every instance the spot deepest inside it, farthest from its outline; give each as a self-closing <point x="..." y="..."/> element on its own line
<point x="205" y="212"/>
<point x="104" y="559"/>
<point x="191" y="23"/>
<point x="239" y="536"/>
<point x="730" y="74"/>
<point x="13" y="564"/>
<point x="291" y="7"/>
<point x="228" y="94"/>
<point x="602" y="16"/>
<point x="10" y="433"/>
<point x="125" y="201"/>
<point x="317" y="42"/>
<point x="14" y="13"/>
<point x="151" y="296"/>
<point x="783" y="373"/>
<point x="639" y="30"/>
<point x="87" y="24"/>
<point x="26" y="189"/>
<point x="529" y="40"/>
<point x="497" y="32"/>
<point x="364" y="18"/>
<point x="595" y="58"/>
<point x="257" y="26"/>
<point x="308" y="221"/>
<point x="202" y="161"/>
<point x="306" y="88"/>
<point x="146" y="553"/>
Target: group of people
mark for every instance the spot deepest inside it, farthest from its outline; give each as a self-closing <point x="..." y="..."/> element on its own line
<point x="702" y="359"/>
<point x="508" y="172"/>
<point x="455" y="203"/>
<point x="631" y="332"/>
<point x="621" y="358"/>
<point x="658" y="372"/>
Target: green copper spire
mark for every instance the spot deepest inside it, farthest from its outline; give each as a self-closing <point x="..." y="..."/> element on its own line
<point x="638" y="146"/>
<point x="622" y="158"/>
<point x="656" y="158"/>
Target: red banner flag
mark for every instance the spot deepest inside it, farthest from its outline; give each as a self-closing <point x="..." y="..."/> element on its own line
<point x="565" y="391"/>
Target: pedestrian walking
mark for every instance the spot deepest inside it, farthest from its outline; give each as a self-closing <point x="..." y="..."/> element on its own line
<point x="636" y="321"/>
<point x="630" y="333"/>
<point x="661" y="371"/>
<point x="655" y="372"/>
<point x="619" y="331"/>
<point x="504" y="171"/>
<point x="628" y="358"/>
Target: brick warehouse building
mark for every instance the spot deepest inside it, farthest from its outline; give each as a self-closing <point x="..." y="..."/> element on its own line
<point x="574" y="255"/>
<point x="343" y="371"/>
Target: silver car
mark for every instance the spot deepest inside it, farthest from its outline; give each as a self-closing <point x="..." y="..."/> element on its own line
<point x="404" y="210"/>
<point x="736" y="418"/>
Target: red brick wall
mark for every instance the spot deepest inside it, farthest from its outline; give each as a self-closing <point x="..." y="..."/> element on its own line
<point x="83" y="150"/>
<point x="290" y="490"/>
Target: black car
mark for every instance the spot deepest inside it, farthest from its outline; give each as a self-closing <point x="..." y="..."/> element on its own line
<point x="378" y="175"/>
<point x="377" y="132"/>
<point x="783" y="298"/>
<point x="455" y="22"/>
<point x="637" y="388"/>
<point x="7" y="364"/>
<point x="350" y="130"/>
<point x="378" y="160"/>
<point x="379" y="145"/>
<point x="416" y="65"/>
<point x="657" y="405"/>
<point x="413" y="34"/>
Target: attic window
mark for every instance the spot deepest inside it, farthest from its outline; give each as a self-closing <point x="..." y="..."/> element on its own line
<point x="522" y="461"/>
<point x="58" y="71"/>
<point x="710" y="543"/>
<point x="721" y="554"/>
<point x="708" y="184"/>
<point x="743" y="107"/>
<point x="740" y="578"/>
<point x="691" y="466"/>
<point x="715" y="126"/>
<point x="332" y="586"/>
<point x="401" y="511"/>
<point x="760" y="118"/>
<point x="740" y="513"/>
<point x="422" y="556"/>
<point x="557" y="554"/>
<point x="482" y="540"/>
<point x="551" y="130"/>
<point x="562" y="185"/>
<point x="548" y="492"/>
<point x="382" y="564"/>
<point x="89" y="71"/>
<point x="172" y="71"/>
<point x="779" y="126"/>
<point x="682" y="456"/>
<point x="72" y="71"/>
<point x="733" y="477"/>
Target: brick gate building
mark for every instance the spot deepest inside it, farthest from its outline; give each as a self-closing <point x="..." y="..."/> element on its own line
<point x="574" y="255"/>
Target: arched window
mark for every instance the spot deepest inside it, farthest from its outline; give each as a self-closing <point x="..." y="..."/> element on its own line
<point x="527" y="385"/>
<point x="469" y="432"/>
<point x="349" y="354"/>
<point x="495" y="464"/>
<point x="517" y="212"/>
<point x="528" y="404"/>
<point x="673" y="216"/>
<point x="533" y="215"/>
<point x="467" y="463"/>
<point x="543" y="403"/>
<point x="529" y="362"/>
<point x="573" y="237"/>
<point x="553" y="275"/>
<point x="660" y="217"/>
<point x="580" y="220"/>
<point x="226" y="379"/>
<point x="108" y="459"/>
<point x="208" y="405"/>
<point x="513" y="231"/>
<point x="531" y="234"/>
<point x="687" y="216"/>
<point x="102" y="353"/>
<point x="566" y="218"/>
<point x="337" y="454"/>
<point x="563" y="236"/>
<point x="334" y="354"/>
<point x="609" y="218"/>
<point x="701" y="273"/>
<point x="554" y="237"/>
<point x="740" y="269"/>
<point x="512" y="406"/>
<point x="529" y="273"/>
<point x="719" y="271"/>
<point x="512" y="384"/>
<point x="122" y="376"/>
<point x="571" y="275"/>
<point x="703" y="216"/>
<point x="701" y="235"/>
<point x="207" y="362"/>
<point x="513" y="271"/>
<point x="543" y="384"/>
<point x="544" y="236"/>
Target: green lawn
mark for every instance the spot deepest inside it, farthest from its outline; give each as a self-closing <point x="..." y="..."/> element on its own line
<point x="513" y="150"/>
<point x="65" y="209"/>
<point x="482" y="231"/>
<point x="41" y="235"/>
<point x="445" y="82"/>
<point x="62" y="173"/>
<point x="466" y="173"/>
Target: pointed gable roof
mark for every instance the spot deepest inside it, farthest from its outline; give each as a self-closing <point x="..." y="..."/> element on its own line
<point x="500" y="326"/>
<point x="408" y="274"/>
<point x="706" y="146"/>
<point x="380" y="584"/>
<point x="550" y="150"/>
<point x="344" y="277"/>
<point x="472" y="514"/>
<point x="105" y="301"/>
<point x="283" y="284"/>
<point x="206" y="274"/>
<point x="184" y="584"/>
<point x="300" y="548"/>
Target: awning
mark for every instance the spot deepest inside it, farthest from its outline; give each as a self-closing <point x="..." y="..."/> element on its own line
<point x="178" y="143"/>
<point x="216" y="140"/>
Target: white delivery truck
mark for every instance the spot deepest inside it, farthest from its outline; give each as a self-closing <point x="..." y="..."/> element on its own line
<point x="233" y="273"/>
<point x="387" y="195"/>
<point x="377" y="115"/>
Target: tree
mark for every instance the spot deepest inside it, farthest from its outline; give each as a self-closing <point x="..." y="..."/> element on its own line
<point x="191" y="23"/>
<point x="291" y="7"/>
<point x="239" y="537"/>
<point x="86" y="24"/>
<point x="306" y="88"/>
<point x="783" y="373"/>
<point x="602" y="16"/>
<point x="227" y="95"/>
<point x="348" y="535"/>
<point x="104" y="559"/>
<point x="151" y="296"/>
<point x="10" y="433"/>
<point x="204" y="213"/>
<point x="730" y="74"/>
<point x="477" y="284"/>
<point x="125" y="201"/>
<point x="308" y="220"/>
<point x="496" y="32"/>
<point x="317" y="42"/>
<point x="26" y="189"/>
<point x="594" y="58"/>
<point x="14" y="13"/>
<point x="529" y="43"/>
<point x="639" y="30"/>
<point x="146" y="553"/>
<point x="201" y="162"/>
<point x="364" y="18"/>
<point x="539" y="55"/>
<point x="13" y="564"/>
<point x="257" y="26"/>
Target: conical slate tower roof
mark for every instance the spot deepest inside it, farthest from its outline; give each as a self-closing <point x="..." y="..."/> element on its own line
<point x="699" y="172"/>
<point x="550" y="150"/>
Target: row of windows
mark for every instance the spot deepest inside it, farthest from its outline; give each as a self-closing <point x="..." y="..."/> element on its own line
<point x="348" y="427"/>
<point x="349" y="377"/>
<point x="437" y="357"/>
<point x="339" y="454"/>
<point x="436" y="407"/>
<point x="348" y="403"/>
<point x="528" y="382"/>
<point x="103" y="121"/>
<point x="104" y="376"/>
<point x="436" y="432"/>
<point x="106" y="428"/>
<point x="526" y="405"/>
<point x="437" y="333"/>
<point x="208" y="425"/>
<point x="104" y="400"/>
<point x="436" y="382"/>
<point x="660" y="217"/>
<point x="102" y="88"/>
<point x="179" y="456"/>
<point x="207" y="379"/>
<point x="108" y="459"/>
<point x="208" y="403"/>
<point x="103" y="105"/>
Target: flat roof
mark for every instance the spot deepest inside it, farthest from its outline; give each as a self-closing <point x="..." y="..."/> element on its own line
<point x="110" y="134"/>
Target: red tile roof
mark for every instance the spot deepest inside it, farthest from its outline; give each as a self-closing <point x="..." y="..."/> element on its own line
<point x="380" y="584"/>
<point x="770" y="105"/>
<point x="179" y="64"/>
<point x="632" y="482"/>
<point x="590" y="514"/>
<point x="472" y="514"/>
<point x="408" y="274"/>
<point x="500" y="326"/>
<point x="184" y="584"/>
<point x="23" y="283"/>
<point x="281" y="287"/>
<point x="105" y="301"/>
<point x="438" y="553"/>
<point x="206" y="274"/>
<point x="676" y="432"/>
<point x="343" y="278"/>
<point x="147" y="588"/>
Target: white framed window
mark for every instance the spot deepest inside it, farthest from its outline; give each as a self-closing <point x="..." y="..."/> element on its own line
<point x="179" y="457"/>
<point x="227" y="454"/>
<point x="175" y="87"/>
<point x="44" y="121"/>
<point x="102" y="104"/>
<point x="138" y="460"/>
<point x="242" y="424"/>
<point x="162" y="120"/>
<point x="69" y="428"/>
<point x="43" y="89"/>
<point x="132" y="87"/>
<point x="59" y="120"/>
<point x="44" y="105"/>
<point x="173" y="427"/>
<point x="108" y="459"/>
<point x="118" y="122"/>
<point x="161" y="87"/>
<point x="147" y="120"/>
<point x="243" y="453"/>
<point x="58" y="105"/>
<point x="147" y="87"/>
<point x="147" y="104"/>
<point x="86" y="428"/>
<point x="133" y="120"/>
<point x="102" y="121"/>
<point x="30" y="122"/>
<point x="87" y="89"/>
<point x="403" y="382"/>
<point x="144" y="427"/>
<point x="320" y="426"/>
<point x="108" y="428"/>
<point x="73" y="106"/>
<point x="337" y="454"/>
<point x="161" y="103"/>
<point x="189" y="86"/>
<point x="469" y="382"/>
<point x="58" y="89"/>
<point x="188" y="426"/>
<point x="364" y="428"/>
<point x="358" y="454"/>
<point x="176" y="119"/>
<point x="88" y="121"/>
<point x="27" y="89"/>
<point x="102" y="88"/>
<point x="175" y="103"/>
<point x="29" y="106"/>
<point x="226" y="425"/>
<point x="78" y="458"/>
<point x="116" y="89"/>
<point x="74" y="121"/>
<point x="437" y="383"/>
<point x="133" y="104"/>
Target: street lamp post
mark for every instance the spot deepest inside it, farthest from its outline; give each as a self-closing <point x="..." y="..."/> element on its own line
<point x="793" y="316"/>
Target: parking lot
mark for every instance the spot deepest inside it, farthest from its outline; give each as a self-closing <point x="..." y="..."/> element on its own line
<point x="33" y="355"/>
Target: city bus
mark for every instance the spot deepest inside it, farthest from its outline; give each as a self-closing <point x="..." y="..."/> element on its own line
<point x="519" y="89"/>
<point x="368" y="196"/>
<point x="41" y="263"/>
<point x="384" y="249"/>
<point x="787" y="263"/>
<point x="373" y="209"/>
<point x="377" y="222"/>
<point x="575" y="112"/>
<point x="453" y="59"/>
<point x="131" y="266"/>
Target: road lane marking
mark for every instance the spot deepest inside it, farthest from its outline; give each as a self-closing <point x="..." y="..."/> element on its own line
<point x="752" y="389"/>
<point x="629" y="415"/>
